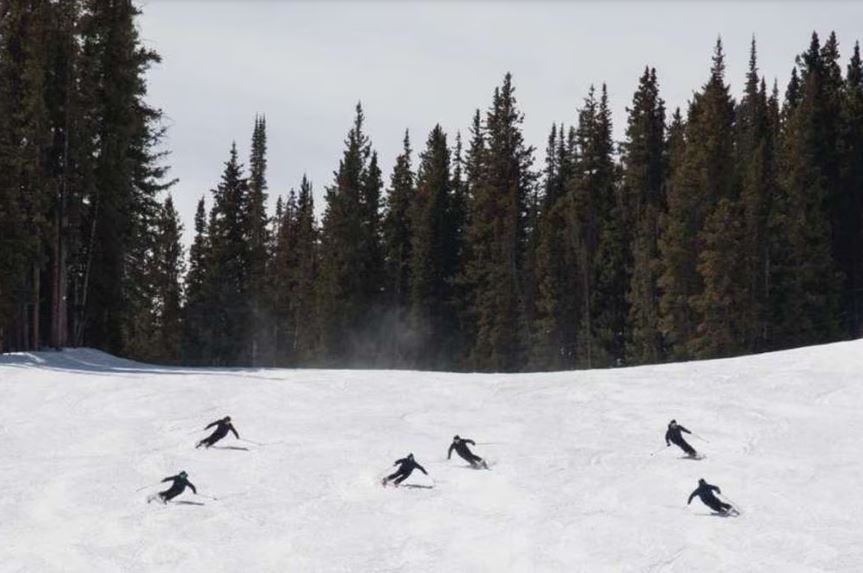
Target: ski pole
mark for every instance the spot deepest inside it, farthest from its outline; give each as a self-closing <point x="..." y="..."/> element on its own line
<point x="146" y="486"/>
<point x="208" y="496"/>
<point x="657" y="451"/>
<point x="252" y="442"/>
<point x="700" y="438"/>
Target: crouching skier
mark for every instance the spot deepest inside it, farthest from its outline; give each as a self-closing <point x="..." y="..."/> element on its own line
<point x="705" y="492"/>
<point x="223" y="426"/>
<point x="406" y="467"/>
<point x="460" y="447"/>
<point x="674" y="434"/>
<point x="180" y="482"/>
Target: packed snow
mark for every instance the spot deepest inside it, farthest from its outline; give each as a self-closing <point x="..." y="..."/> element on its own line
<point x="86" y="437"/>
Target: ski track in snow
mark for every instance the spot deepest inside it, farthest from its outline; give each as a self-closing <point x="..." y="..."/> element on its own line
<point x="573" y="486"/>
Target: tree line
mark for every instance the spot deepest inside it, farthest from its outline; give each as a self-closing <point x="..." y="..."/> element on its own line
<point x="88" y="248"/>
<point x="728" y="228"/>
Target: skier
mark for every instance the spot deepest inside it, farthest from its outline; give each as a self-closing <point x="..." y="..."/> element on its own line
<point x="180" y="483"/>
<point x="674" y="434"/>
<point x="406" y="467"/>
<point x="460" y="447"/>
<point x="223" y="426"/>
<point x="705" y="492"/>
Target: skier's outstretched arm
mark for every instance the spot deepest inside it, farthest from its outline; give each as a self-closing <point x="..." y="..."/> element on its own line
<point x="188" y="483"/>
<point x="682" y="429"/>
<point x="471" y="442"/>
<point x="422" y="469"/>
<point x="668" y="438"/>
<point x="171" y="478"/>
<point x="231" y="427"/>
<point x="401" y="461"/>
<point x="691" y="495"/>
<point x="208" y="426"/>
<point x="449" y="452"/>
<point x="716" y="489"/>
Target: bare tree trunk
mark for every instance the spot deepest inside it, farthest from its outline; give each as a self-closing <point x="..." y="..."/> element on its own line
<point x="82" y="317"/>
<point x="55" y="278"/>
<point x="35" y="316"/>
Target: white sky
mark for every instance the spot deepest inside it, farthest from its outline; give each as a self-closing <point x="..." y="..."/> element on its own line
<point x="413" y="64"/>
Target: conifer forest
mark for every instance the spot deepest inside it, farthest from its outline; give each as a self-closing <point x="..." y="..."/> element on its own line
<point x="730" y="227"/>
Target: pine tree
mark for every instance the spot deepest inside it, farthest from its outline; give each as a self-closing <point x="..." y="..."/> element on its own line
<point x="397" y="227"/>
<point x="127" y="176"/>
<point x="197" y="346"/>
<point x="755" y="163"/>
<point x="258" y="242"/>
<point x="643" y="180"/>
<point x="550" y="345"/>
<point x="304" y="301"/>
<point x="497" y="233"/>
<point x="156" y="332"/>
<point x="281" y="273"/>
<point x="806" y="283"/>
<point x="397" y="247"/>
<point x="433" y="262"/>
<point x="24" y="32"/>
<point x="229" y="266"/>
<point x="610" y="260"/>
<point x="691" y="309"/>
<point x="852" y="184"/>
<point x="351" y="272"/>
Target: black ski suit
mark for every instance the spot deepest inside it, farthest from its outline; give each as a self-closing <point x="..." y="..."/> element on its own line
<point x="222" y="429"/>
<point x="705" y="492"/>
<point x="460" y="447"/>
<point x="406" y="467"/>
<point x="179" y="485"/>
<point x="674" y="434"/>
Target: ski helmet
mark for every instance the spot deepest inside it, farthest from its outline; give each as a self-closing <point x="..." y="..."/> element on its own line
<point x="456" y="438"/>
<point x="227" y="418"/>
<point x="701" y="481"/>
<point x="183" y="474"/>
<point x="672" y="423"/>
<point x="410" y="456"/>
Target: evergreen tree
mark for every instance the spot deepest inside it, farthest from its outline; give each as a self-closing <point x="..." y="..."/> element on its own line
<point x="550" y="338"/>
<point x="127" y="174"/>
<point x="157" y="331"/>
<point x="643" y="180"/>
<point x="197" y="319"/>
<point x="397" y="248"/>
<point x="305" y="310"/>
<point x="26" y="187"/>
<point x="852" y="185"/>
<point x="258" y="242"/>
<point x="610" y="260"/>
<point x="397" y="227"/>
<point x="806" y="283"/>
<point x="351" y="268"/>
<point x="433" y="261"/>
<point x="229" y="266"/>
<point x="755" y="163"/>
<point x="691" y="309"/>
<point x="497" y="233"/>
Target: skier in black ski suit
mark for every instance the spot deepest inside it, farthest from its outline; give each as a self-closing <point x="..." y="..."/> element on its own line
<point x="460" y="447"/>
<point x="223" y="426"/>
<point x="674" y="434"/>
<point x="705" y="492"/>
<point x="406" y="467"/>
<point x="180" y="483"/>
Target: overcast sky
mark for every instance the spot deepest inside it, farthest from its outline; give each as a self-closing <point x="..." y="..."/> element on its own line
<point x="414" y="64"/>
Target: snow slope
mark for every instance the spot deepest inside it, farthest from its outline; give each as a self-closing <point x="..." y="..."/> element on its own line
<point x="574" y="487"/>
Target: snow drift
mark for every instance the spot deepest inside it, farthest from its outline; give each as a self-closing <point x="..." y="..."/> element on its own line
<point x="573" y="488"/>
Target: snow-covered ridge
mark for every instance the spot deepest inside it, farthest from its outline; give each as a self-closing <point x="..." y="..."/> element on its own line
<point x="574" y="487"/>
